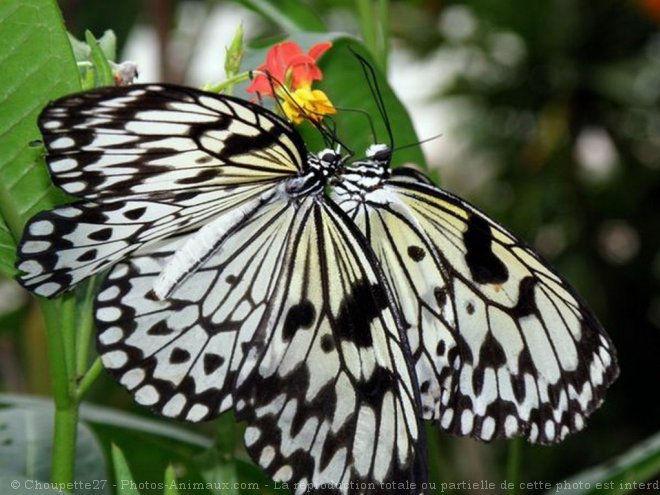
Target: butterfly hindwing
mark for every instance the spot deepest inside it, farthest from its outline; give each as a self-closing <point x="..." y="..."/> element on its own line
<point x="180" y="355"/>
<point x="63" y="246"/>
<point x="501" y="343"/>
<point x="310" y="351"/>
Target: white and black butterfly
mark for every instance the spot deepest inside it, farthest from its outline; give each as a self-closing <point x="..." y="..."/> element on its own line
<point x="333" y="305"/>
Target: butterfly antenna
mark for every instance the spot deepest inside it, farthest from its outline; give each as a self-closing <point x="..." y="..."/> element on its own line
<point x="372" y="81"/>
<point x="333" y="135"/>
<point x="365" y="114"/>
<point x="328" y="134"/>
<point x="416" y="143"/>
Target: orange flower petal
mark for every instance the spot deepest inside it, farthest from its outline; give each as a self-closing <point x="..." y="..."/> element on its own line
<point x="319" y="49"/>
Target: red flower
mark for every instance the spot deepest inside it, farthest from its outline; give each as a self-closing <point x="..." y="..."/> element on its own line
<point x="287" y="65"/>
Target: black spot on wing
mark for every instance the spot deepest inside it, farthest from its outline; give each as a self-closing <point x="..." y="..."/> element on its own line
<point x="416" y="253"/>
<point x="491" y="353"/>
<point x="135" y="213"/>
<point x="376" y="386"/>
<point x="101" y="234"/>
<point x="212" y="362"/>
<point x="179" y="356"/>
<point x="205" y="175"/>
<point x="358" y="309"/>
<point x="327" y="343"/>
<point x="526" y="304"/>
<point x="203" y="159"/>
<point x="519" y="388"/>
<point x="88" y="255"/>
<point x="440" y="294"/>
<point x="485" y="267"/>
<point x="299" y="316"/>
<point x="160" y="328"/>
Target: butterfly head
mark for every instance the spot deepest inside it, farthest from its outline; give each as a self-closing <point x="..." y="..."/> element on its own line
<point x="379" y="153"/>
<point x="376" y="163"/>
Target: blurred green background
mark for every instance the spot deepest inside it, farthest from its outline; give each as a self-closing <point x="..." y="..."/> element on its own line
<point x="549" y="116"/>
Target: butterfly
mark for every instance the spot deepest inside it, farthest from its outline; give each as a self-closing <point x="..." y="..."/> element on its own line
<point x="333" y="304"/>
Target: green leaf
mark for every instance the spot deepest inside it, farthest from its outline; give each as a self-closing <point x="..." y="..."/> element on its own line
<point x="290" y="15"/>
<point x="618" y="475"/>
<point x="139" y="437"/>
<point x="7" y="250"/>
<point x="104" y="75"/>
<point x="26" y="443"/>
<point x="37" y="66"/>
<point x="123" y="477"/>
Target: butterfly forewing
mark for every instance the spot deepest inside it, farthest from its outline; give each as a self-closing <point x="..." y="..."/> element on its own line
<point x="502" y="345"/>
<point x="151" y="161"/>
<point x="144" y="139"/>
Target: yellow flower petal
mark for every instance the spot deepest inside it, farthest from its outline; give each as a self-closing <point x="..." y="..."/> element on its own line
<point x="307" y="104"/>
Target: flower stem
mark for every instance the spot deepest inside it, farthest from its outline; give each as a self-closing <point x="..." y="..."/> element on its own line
<point x="64" y="444"/>
<point x="228" y="83"/>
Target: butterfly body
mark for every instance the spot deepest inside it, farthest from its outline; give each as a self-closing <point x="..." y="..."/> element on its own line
<point x="333" y="305"/>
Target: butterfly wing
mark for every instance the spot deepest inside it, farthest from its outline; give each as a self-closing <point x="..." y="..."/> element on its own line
<point x="289" y="324"/>
<point x="150" y="162"/>
<point x="155" y="138"/>
<point x="502" y="345"/>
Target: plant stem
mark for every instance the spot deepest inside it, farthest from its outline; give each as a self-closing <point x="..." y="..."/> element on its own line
<point x="64" y="444"/>
<point x="84" y="334"/>
<point x="59" y="316"/>
<point x="67" y="329"/>
<point x="513" y="464"/>
<point x="89" y="378"/>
